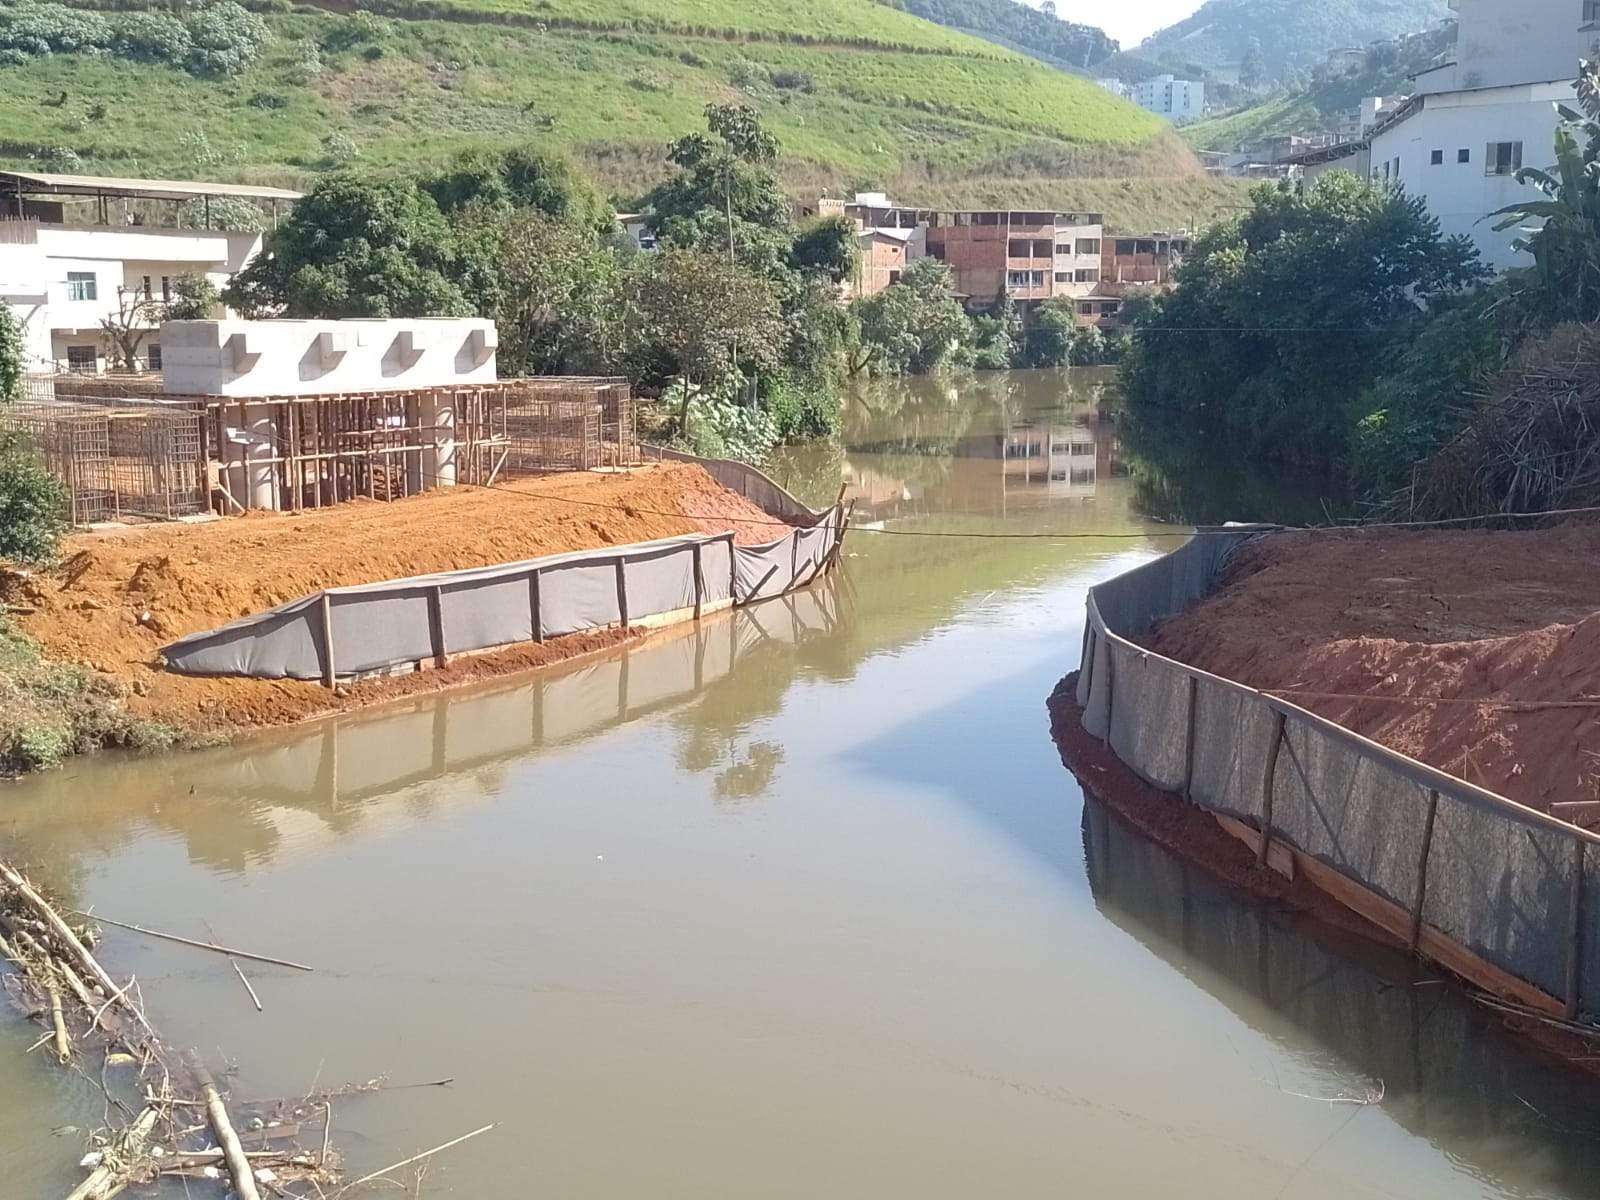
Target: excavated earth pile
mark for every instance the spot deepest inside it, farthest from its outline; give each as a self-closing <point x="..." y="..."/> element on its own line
<point x="1499" y="632"/>
<point x="119" y="595"/>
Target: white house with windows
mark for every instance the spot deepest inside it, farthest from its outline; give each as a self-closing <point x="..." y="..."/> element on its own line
<point x="77" y="249"/>
<point x="1459" y="141"/>
<point x="1169" y="97"/>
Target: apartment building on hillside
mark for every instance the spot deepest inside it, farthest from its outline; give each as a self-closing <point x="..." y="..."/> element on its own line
<point x="1148" y="260"/>
<point x="73" y="254"/>
<point x="1174" y="99"/>
<point x="1029" y="256"/>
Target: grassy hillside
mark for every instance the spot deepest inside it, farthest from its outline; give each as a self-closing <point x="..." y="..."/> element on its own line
<point x="1291" y="34"/>
<point x="860" y="94"/>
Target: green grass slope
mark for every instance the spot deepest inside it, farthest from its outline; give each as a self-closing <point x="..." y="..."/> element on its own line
<point x="860" y="95"/>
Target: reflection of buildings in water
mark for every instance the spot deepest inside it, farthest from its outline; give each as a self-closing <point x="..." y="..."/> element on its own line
<point x="1032" y="460"/>
<point x="1450" y="1074"/>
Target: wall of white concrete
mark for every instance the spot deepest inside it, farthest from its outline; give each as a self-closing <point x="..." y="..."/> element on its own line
<point x="284" y="358"/>
<point x="1459" y="194"/>
<point x="1530" y="41"/>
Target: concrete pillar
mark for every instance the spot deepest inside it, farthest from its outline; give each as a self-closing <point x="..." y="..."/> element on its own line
<point x="439" y="461"/>
<point x="261" y="446"/>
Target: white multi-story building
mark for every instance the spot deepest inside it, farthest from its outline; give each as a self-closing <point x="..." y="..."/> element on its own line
<point x="1174" y="99"/>
<point x="63" y="275"/>
<point x="1459" y="141"/>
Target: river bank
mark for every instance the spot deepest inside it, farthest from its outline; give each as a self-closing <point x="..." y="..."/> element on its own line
<point x="1474" y="651"/>
<point x="118" y="595"/>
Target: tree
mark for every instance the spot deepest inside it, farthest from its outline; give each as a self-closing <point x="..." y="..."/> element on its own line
<point x="124" y="331"/>
<point x="1253" y="68"/>
<point x="11" y="354"/>
<point x="552" y="292"/>
<point x="699" y="316"/>
<point x="513" y="180"/>
<point x="915" y="325"/>
<point x="828" y="247"/>
<point x="355" y="247"/>
<point x="1285" y="313"/>
<point x="1048" y="342"/>
<point x="1564" y="282"/>
<point x="194" y="298"/>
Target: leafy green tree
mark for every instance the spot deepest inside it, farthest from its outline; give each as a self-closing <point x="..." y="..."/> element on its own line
<point x="1285" y="313"/>
<point x="1564" y="283"/>
<point x="10" y="355"/>
<point x="33" y="504"/>
<point x="514" y="180"/>
<point x="915" y="325"/>
<point x="698" y="316"/>
<point x="356" y="247"/>
<point x="829" y="247"/>
<point x="194" y="298"/>
<point x="1048" y="340"/>
<point x="551" y="289"/>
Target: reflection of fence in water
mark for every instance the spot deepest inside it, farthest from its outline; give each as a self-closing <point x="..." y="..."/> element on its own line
<point x="117" y="460"/>
<point x="1449" y="1073"/>
<point x="1486" y="887"/>
<point x="367" y="759"/>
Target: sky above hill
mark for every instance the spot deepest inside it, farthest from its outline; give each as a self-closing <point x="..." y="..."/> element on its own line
<point x="1130" y="21"/>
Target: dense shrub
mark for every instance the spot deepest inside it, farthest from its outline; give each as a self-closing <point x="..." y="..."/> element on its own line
<point x="33" y="505"/>
<point x="10" y="355"/>
<point x="219" y="38"/>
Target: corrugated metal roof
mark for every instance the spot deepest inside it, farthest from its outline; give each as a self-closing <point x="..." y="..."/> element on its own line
<point x="41" y="182"/>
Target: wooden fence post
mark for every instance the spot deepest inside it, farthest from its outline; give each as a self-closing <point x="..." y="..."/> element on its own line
<point x="436" y="624"/>
<point x="1575" y="929"/>
<point x="1422" y="871"/>
<point x="622" y="591"/>
<point x="1267" y="777"/>
<point x="699" y="583"/>
<point x="1188" y="742"/>
<point x="329" y="675"/>
<point x="533" y="605"/>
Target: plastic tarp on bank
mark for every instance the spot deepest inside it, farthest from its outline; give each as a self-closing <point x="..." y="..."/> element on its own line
<point x="352" y="631"/>
<point x="1512" y="886"/>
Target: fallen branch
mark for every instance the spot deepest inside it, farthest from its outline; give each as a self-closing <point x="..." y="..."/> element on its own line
<point x="255" y="998"/>
<point x="406" y="1162"/>
<point x="113" y="1174"/>
<point x="244" y="1179"/>
<point x="199" y="945"/>
<point x="59" y="1021"/>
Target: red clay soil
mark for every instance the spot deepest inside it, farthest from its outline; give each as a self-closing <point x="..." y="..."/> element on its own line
<point x="119" y="595"/>
<point x="1496" y="625"/>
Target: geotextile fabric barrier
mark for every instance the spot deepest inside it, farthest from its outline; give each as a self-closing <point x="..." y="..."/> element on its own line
<point x="367" y="628"/>
<point x="1447" y="865"/>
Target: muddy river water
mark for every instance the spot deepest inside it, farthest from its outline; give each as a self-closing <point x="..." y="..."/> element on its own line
<point x="797" y="904"/>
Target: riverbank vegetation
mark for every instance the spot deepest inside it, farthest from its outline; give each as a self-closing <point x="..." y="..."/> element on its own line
<point x="1333" y="329"/>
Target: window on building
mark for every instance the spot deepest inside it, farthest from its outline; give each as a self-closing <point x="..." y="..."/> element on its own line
<point x="1086" y="275"/>
<point x="1086" y="308"/>
<point x="1088" y="245"/>
<point x="1436" y="159"/>
<point x="1063" y="247"/>
<point x="1017" y="279"/>
<point x="1036" y="279"/>
<point x="1591" y="12"/>
<point x="936" y="250"/>
<point x="1502" y="158"/>
<point x="81" y="286"/>
<point x="1125" y="247"/>
<point x="1019" y="249"/>
<point x="1463" y="156"/>
<point x="1063" y="276"/>
<point x="152" y="355"/>
<point x="1043" y="249"/>
<point x="83" y="358"/>
<point x="145" y="287"/>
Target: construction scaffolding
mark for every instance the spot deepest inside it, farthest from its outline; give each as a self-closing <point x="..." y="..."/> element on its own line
<point x="124" y="450"/>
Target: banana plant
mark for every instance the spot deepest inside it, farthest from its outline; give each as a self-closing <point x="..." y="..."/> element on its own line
<point x="1561" y="230"/>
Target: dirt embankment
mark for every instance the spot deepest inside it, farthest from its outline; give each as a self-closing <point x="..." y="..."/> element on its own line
<point x="118" y="596"/>
<point x="1499" y="627"/>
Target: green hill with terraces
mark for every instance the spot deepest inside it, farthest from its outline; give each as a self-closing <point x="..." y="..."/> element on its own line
<point x="861" y="95"/>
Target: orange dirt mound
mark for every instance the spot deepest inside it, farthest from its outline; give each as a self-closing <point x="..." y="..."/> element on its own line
<point x="119" y="595"/>
<point x="1461" y="616"/>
